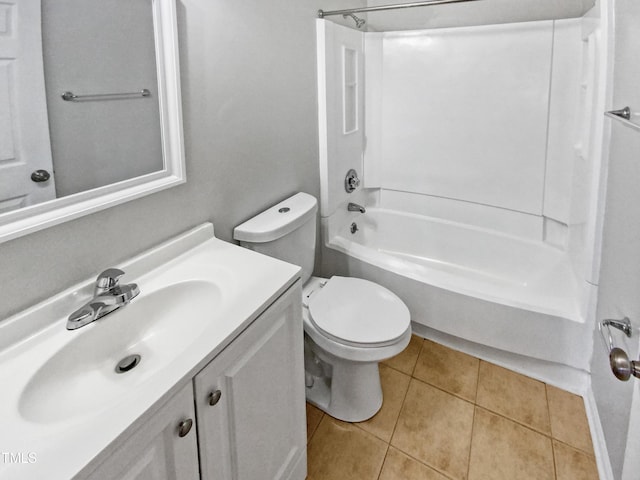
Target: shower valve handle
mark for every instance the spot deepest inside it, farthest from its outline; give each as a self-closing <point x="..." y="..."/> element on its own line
<point x="351" y="181"/>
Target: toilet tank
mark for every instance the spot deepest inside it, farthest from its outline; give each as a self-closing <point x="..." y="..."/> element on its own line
<point x="286" y="231"/>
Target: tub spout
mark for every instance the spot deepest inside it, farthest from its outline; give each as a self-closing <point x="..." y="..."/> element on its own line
<point x="354" y="207"/>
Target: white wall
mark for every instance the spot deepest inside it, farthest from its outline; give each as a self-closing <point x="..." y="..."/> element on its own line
<point x="564" y="120"/>
<point x="619" y="286"/>
<point x="587" y="197"/>
<point x="619" y="277"/>
<point x="464" y="113"/>
<point x="483" y="119"/>
<point x="250" y="113"/>
<point x="100" y="46"/>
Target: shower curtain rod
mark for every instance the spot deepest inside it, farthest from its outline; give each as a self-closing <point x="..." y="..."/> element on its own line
<point x="322" y="13"/>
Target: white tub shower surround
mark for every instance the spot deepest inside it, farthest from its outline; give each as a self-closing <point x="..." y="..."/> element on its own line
<point x="480" y="160"/>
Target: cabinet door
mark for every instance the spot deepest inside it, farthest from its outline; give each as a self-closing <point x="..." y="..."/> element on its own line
<point x="250" y="400"/>
<point x="157" y="451"/>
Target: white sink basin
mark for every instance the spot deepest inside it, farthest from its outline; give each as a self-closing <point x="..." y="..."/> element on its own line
<point x="61" y="396"/>
<point x="81" y="377"/>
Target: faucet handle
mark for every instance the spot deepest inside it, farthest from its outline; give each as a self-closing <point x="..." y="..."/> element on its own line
<point x="85" y="315"/>
<point x="107" y="280"/>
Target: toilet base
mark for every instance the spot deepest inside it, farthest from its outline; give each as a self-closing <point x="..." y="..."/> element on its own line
<point x="352" y="392"/>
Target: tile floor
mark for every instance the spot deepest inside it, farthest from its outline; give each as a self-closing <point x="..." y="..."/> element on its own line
<point x="447" y="415"/>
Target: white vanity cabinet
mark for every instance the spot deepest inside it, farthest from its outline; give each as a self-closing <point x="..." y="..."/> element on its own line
<point x="163" y="448"/>
<point x="245" y="412"/>
<point x="250" y="400"/>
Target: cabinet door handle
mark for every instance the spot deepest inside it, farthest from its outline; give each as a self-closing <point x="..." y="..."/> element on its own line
<point x="185" y="427"/>
<point x="214" y="397"/>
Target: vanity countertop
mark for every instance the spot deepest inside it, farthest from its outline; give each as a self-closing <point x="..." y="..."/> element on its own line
<point x="38" y="441"/>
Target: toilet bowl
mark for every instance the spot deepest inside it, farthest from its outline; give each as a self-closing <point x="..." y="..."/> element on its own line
<point x="350" y="324"/>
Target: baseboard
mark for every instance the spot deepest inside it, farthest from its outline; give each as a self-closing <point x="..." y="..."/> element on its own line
<point x="299" y="471"/>
<point x="597" y="436"/>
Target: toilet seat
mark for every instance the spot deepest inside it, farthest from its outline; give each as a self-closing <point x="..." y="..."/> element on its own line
<point x="357" y="312"/>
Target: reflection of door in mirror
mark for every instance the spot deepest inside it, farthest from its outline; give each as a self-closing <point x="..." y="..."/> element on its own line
<point x="24" y="128"/>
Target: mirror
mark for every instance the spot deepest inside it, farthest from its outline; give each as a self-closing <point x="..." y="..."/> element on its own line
<point x="90" y="112"/>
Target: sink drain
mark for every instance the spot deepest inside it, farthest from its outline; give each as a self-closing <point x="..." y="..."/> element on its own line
<point x="128" y="363"/>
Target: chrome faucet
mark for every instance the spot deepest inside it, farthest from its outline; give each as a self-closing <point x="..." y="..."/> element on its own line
<point x="109" y="296"/>
<point x="354" y="207"/>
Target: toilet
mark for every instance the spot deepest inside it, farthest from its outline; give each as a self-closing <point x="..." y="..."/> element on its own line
<point x="350" y="324"/>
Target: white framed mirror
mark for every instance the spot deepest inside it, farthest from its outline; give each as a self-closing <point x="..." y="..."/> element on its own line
<point x="90" y="108"/>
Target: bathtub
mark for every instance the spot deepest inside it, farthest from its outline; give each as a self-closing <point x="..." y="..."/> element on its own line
<point x="481" y="285"/>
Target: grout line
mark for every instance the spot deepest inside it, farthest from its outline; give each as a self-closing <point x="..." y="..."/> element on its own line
<point x="358" y="425"/>
<point x="475" y="400"/>
<point x="404" y="399"/>
<point x="316" y="428"/>
<point x="473" y="426"/>
<point x="443" y="390"/>
<point x="553" y="455"/>
<point x="515" y="421"/>
<point x="415" y="364"/>
<point x="573" y="447"/>
<point x="395" y="369"/>
<point x="546" y="396"/>
<point x="553" y="447"/>
<point x="421" y="462"/>
<point x="384" y="460"/>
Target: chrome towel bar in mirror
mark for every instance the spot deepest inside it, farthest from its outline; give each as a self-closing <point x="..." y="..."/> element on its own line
<point x="72" y="97"/>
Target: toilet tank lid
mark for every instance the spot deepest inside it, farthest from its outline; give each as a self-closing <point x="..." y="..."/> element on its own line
<point x="278" y="220"/>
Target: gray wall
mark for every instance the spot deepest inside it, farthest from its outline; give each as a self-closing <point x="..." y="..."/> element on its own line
<point x="619" y="275"/>
<point x="250" y="116"/>
<point x="91" y="46"/>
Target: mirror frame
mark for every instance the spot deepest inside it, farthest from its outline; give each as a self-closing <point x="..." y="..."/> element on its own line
<point x="54" y="212"/>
